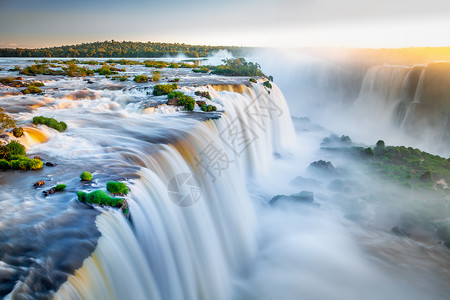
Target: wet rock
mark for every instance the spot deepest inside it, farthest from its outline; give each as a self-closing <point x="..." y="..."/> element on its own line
<point x="400" y="232"/>
<point x="303" y="197"/>
<point x="39" y="183"/>
<point x="49" y="192"/>
<point x="322" y="166"/>
<point x="37" y="157"/>
<point x="173" y="101"/>
<point x="17" y="132"/>
<point x="50" y="164"/>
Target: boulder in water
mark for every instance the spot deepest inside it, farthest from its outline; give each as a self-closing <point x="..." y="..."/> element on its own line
<point x="39" y="183"/>
<point x="322" y="167"/>
<point x="303" y="197"/>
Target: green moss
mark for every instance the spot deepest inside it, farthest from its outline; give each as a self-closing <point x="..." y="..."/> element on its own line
<point x="164" y="89"/>
<point x="99" y="197"/>
<point x="204" y="94"/>
<point x="202" y="69"/>
<point x="156" y="77"/>
<point x="86" y="176"/>
<point x="120" y="78"/>
<point x="140" y="78"/>
<point x="6" y="121"/>
<point x="50" y="122"/>
<point x="15" y="148"/>
<point x="60" y="187"/>
<point x="4" y="164"/>
<point x="115" y="187"/>
<point x="32" y="89"/>
<point x="34" y="164"/>
<point x="267" y="84"/>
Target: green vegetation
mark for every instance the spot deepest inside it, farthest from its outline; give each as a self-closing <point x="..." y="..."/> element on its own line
<point x="176" y="79"/>
<point x="108" y="70"/>
<point x="72" y="70"/>
<point x="407" y="166"/>
<point x="6" y="121"/>
<point x="238" y="67"/>
<point x="202" y="69"/>
<point x="208" y="108"/>
<point x="140" y="78"/>
<point x="119" y="49"/>
<point x="252" y="80"/>
<point x="13" y="81"/>
<point x="32" y="89"/>
<point x="15" y="69"/>
<point x="369" y="152"/>
<point x="121" y="78"/>
<point x="182" y="100"/>
<point x="12" y="156"/>
<point x="50" y="122"/>
<point x="204" y="94"/>
<point x="155" y="64"/>
<point x="42" y="69"/>
<point x="60" y="187"/>
<point x="99" y="197"/>
<point x="118" y="188"/>
<point x="156" y="77"/>
<point x="86" y="176"/>
<point x="267" y="84"/>
<point x="164" y="89"/>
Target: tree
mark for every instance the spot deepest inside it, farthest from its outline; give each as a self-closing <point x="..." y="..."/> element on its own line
<point x="6" y="121"/>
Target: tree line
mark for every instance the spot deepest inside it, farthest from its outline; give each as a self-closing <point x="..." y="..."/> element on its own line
<point x="120" y="49"/>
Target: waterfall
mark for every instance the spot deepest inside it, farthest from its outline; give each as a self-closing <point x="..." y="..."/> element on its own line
<point x="179" y="249"/>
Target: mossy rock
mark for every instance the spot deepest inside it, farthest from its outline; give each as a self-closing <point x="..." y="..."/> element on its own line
<point x="99" y="197"/>
<point x="86" y="176"/>
<point x="118" y="188"/>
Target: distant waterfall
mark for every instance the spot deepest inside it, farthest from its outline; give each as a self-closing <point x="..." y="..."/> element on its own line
<point x="407" y="105"/>
<point x="195" y="251"/>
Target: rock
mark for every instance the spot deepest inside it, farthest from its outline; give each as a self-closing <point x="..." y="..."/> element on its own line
<point x="400" y="232"/>
<point x="322" y="166"/>
<point x="173" y="101"/>
<point x="39" y="183"/>
<point x="17" y="132"/>
<point x="50" y="164"/>
<point x="37" y="157"/>
<point x="335" y="141"/>
<point x="49" y="192"/>
<point x="303" y="197"/>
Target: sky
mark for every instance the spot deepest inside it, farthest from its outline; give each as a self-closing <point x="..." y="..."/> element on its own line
<point x="268" y="23"/>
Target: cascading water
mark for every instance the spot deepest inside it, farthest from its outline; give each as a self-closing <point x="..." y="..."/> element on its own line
<point x="402" y="104"/>
<point x="190" y="252"/>
<point x="202" y="224"/>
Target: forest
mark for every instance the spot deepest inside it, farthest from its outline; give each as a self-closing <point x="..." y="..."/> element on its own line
<point x="120" y="49"/>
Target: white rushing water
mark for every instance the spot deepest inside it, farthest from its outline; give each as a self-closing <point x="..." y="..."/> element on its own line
<point x="191" y="252"/>
<point x="201" y="224"/>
